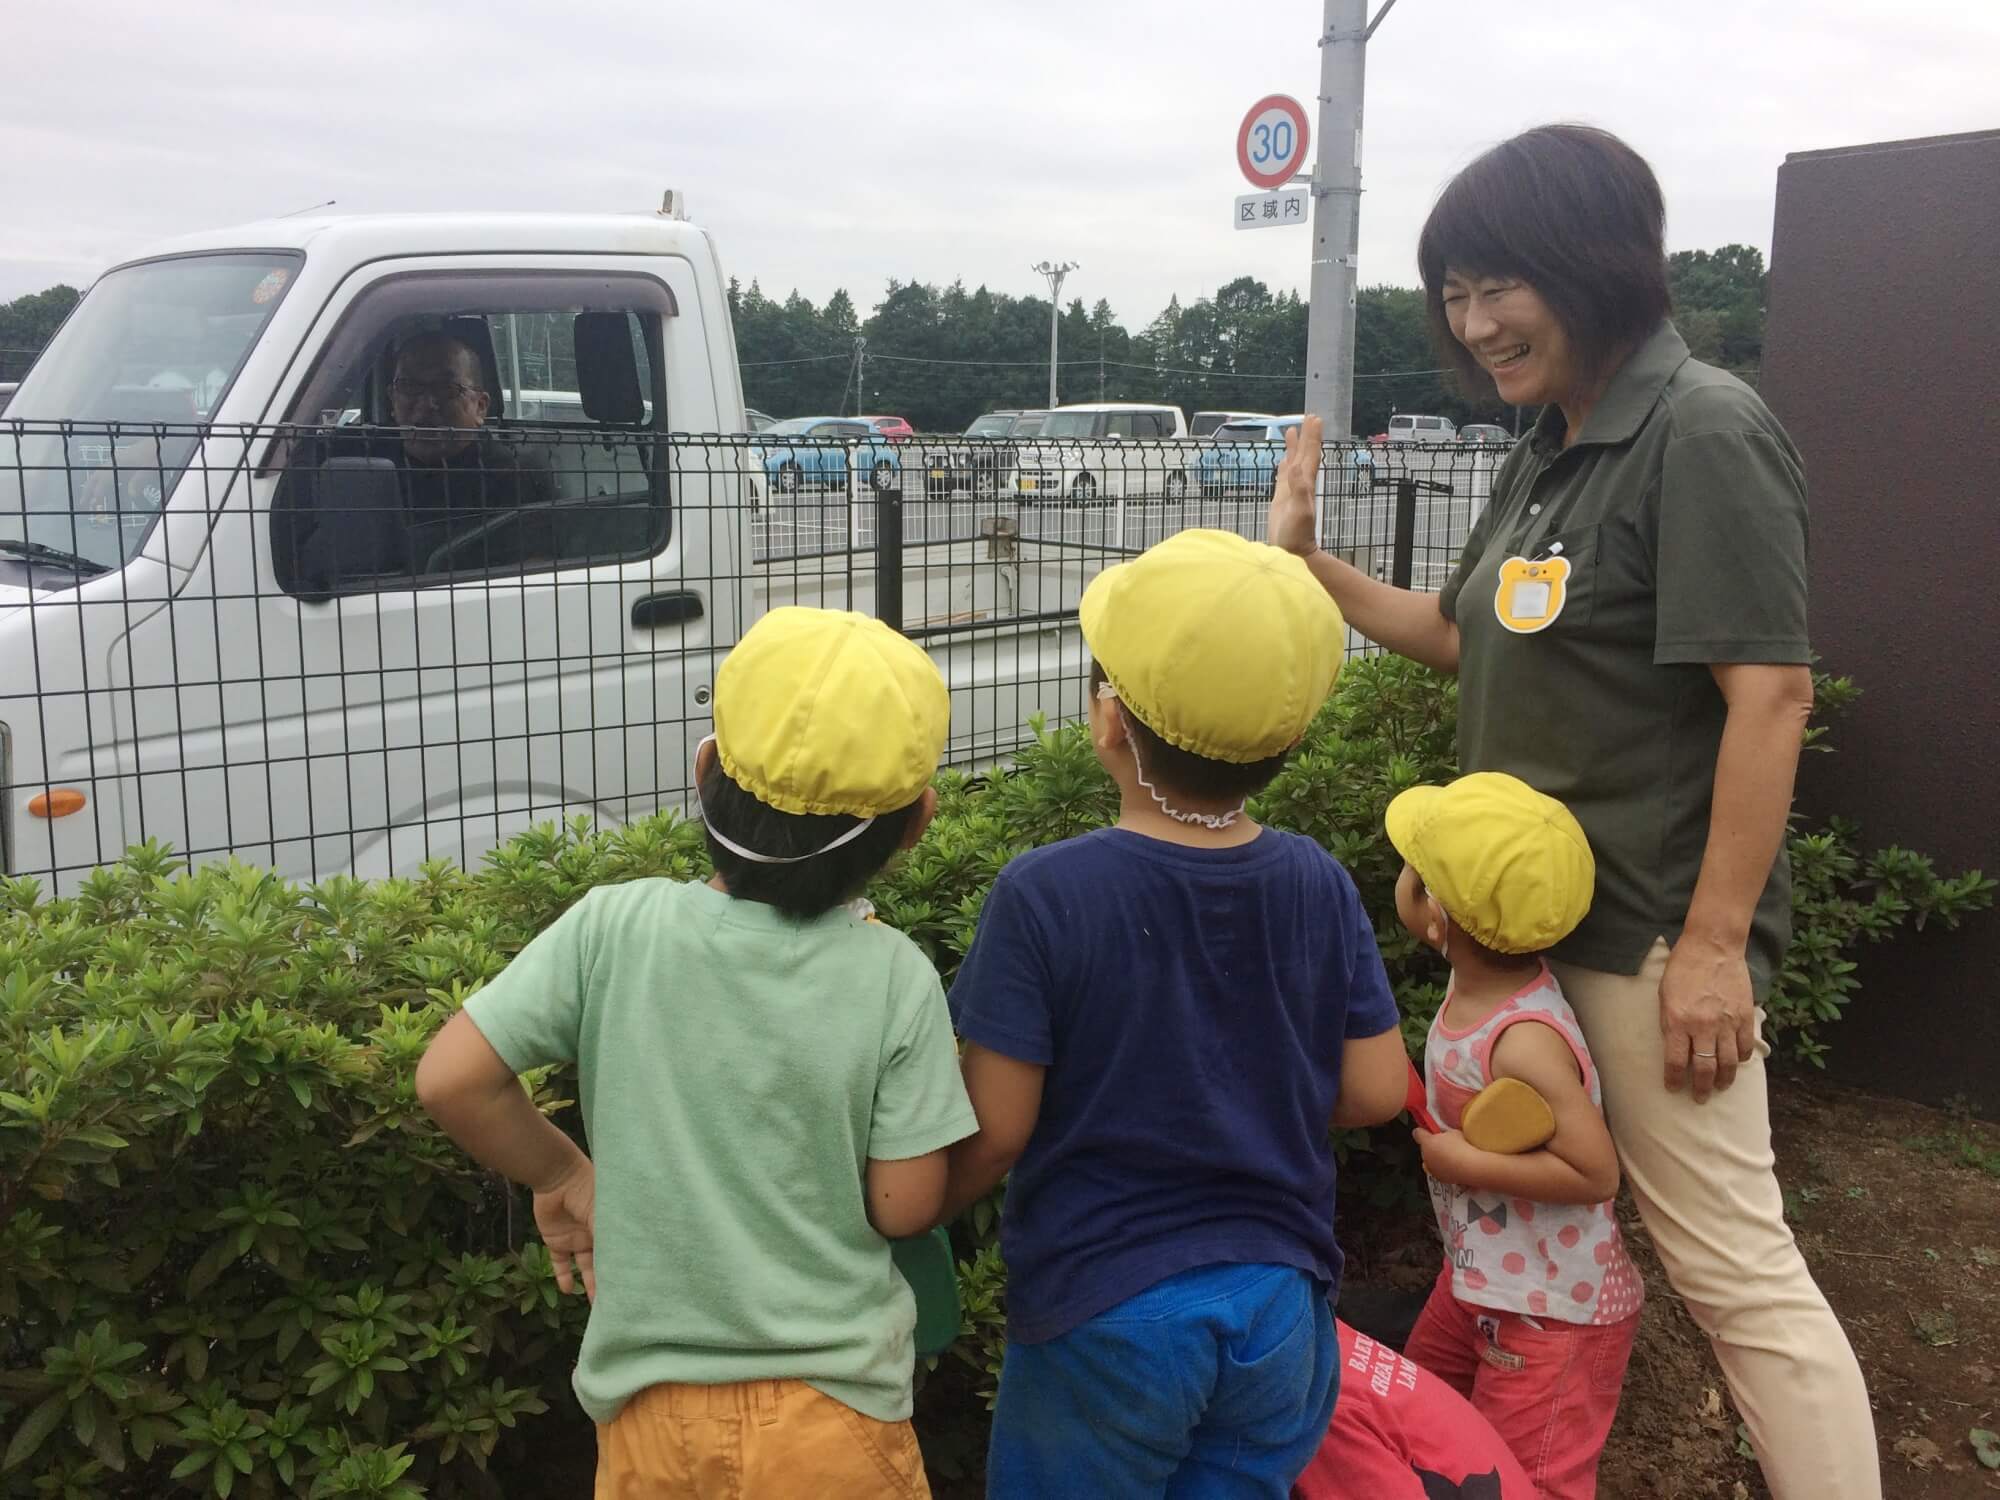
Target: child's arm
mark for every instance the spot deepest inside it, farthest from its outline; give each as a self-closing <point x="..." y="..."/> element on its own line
<point x="1577" y="1166"/>
<point x="904" y="1197"/>
<point x="1374" y="1073"/>
<point x="480" y="1104"/>
<point x="1007" y="1097"/>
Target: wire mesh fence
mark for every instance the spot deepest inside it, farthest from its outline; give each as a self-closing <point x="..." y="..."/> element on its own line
<point x="347" y="649"/>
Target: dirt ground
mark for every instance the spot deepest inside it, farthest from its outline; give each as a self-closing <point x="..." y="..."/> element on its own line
<point x="1898" y="1210"/>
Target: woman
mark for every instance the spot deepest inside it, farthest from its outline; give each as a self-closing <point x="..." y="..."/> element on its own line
<point x="1628" y="627"/>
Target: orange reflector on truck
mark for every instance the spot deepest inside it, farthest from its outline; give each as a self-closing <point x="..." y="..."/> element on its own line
<point x="56" y="802"/>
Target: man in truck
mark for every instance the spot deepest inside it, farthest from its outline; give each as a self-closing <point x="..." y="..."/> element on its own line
<point x="453" y="478"/>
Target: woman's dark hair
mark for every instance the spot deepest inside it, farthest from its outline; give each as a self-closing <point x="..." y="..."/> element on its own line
<point x="813" y="886"/>
<point x="1173" y="769"/>
<point x="1576" y="214"/>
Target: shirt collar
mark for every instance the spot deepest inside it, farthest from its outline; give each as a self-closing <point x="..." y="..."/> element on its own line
<point x="1628" y="400"/>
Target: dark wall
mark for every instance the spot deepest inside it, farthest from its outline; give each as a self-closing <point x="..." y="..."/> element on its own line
<point x="1882" y="359"/>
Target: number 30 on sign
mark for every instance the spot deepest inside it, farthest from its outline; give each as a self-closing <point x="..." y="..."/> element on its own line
<point x="1271" y="142"/>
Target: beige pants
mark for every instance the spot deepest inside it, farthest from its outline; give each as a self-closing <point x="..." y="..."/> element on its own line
<point x="752" y="1439"/>
<point x="1702" y="1176"/>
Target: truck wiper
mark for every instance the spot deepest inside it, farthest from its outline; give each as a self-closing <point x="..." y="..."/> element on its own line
<point x="42" y="552"/>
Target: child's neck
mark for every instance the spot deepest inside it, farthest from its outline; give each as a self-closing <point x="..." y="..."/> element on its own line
<point x="1483" y="982"/>
<point x="1139" y="813"/>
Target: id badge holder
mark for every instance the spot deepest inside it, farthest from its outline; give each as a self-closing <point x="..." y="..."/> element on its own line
<point x="1531" y="592"/>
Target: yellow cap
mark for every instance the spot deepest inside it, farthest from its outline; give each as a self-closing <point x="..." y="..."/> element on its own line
<point x="1511" y="867"/>
<point x="1221" y="646"/>
<point x="824" y="711"/>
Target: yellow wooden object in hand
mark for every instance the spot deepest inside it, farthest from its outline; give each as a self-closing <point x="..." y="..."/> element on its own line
<point x="1509" y="1117"/>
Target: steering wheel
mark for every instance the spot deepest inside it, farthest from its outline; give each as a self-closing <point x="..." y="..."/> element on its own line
<point x="445" y="550"/>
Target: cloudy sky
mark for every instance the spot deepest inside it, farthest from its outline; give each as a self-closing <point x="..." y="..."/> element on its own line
<point x="845" y="145"/>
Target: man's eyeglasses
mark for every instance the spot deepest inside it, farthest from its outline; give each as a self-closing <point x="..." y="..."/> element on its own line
<point x="444" y="392"/>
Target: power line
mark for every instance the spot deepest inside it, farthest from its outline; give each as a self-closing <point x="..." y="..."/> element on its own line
<point x="1121" y="364"/>
<point x="1034" y="364"/>
<point x="805" y="359"/>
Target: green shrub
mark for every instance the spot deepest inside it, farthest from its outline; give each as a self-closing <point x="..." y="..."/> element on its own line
<point x="236" y="1259"/>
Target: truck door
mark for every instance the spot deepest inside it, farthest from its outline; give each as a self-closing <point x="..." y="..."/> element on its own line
<point x="431" y="628"/>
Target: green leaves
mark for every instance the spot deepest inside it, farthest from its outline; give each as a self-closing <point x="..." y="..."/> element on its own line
<point x="226" y="1231"/>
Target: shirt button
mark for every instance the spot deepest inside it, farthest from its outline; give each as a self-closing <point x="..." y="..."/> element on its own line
<point x="1535" y="510"/>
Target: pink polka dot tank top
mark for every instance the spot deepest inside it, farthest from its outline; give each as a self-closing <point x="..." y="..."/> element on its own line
<point x="1561" y="1261"/>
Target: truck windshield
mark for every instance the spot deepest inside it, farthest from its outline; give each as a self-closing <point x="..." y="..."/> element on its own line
<point x="142" y="362"/>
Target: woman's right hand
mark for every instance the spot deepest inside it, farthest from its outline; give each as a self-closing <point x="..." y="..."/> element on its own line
<point x="1293" y="523"/>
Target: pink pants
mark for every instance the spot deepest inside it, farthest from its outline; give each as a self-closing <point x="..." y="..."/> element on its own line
<point x="1550" y="1389"/>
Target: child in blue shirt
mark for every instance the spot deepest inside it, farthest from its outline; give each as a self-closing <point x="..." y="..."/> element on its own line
<point x="1161" y="1022"/>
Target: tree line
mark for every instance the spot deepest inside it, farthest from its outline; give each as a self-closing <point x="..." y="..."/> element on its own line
<point x="941" y="355"/>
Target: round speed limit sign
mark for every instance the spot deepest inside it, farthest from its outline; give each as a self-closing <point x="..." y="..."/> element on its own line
<point x="1271" y="142"/>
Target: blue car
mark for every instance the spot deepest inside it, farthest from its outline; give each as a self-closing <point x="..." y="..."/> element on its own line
<point x="818" y="457"/>
<point x="1242" y="461"/>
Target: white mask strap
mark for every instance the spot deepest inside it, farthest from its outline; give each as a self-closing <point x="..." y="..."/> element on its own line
<point x="767" y="859"/>
<point x="1106" y="693"/>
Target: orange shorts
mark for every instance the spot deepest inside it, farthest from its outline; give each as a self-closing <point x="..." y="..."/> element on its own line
<point x="753" y="1439"/>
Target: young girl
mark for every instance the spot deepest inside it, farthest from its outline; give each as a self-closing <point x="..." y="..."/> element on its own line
<point x="1534" y="1314"/>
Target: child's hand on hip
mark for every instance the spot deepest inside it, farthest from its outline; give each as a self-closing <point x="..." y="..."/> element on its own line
<point x="566" y="1214"/>
<point x="1448" y="1156"/>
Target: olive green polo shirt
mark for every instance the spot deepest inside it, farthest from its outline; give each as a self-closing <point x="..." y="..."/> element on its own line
<point x="1681" y="512"/>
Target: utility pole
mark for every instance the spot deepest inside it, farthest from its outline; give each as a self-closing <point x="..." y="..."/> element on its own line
<point x="1054" y="274"/>
<point x="860" y="373"/>
<point x="1343" y="56"/>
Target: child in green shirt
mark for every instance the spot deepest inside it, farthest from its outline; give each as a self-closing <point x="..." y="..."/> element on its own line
<point x="768" y="1083"/>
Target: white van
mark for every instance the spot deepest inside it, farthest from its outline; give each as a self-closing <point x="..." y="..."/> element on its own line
<point x="1087" y="451"/>
<point x="1405" y="427"/>
<point x="234" y="622"/>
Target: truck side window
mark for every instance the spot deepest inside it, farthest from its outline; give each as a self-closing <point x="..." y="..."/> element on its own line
<point x="519" y="439"/>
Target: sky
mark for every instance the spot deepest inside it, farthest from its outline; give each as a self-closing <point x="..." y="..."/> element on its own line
<point x="843" y="146"/>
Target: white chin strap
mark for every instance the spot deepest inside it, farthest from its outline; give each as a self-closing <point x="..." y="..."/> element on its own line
<point x="1108" y="694"/>
<point x="767" y="859"/>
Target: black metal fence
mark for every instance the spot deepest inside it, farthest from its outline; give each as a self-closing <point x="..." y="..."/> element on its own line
<point x="343" y="649"/>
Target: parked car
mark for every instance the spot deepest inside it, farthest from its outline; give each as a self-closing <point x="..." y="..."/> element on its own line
<point x="1243" y="460"/>
<point x="994" y="424"/>
<point x="757" y="421"/>
<point x="1204" y="423"/>
<point x="895" y="429"/>
<point x="985" y="467"/>
<point x="1407" y="427"/>
<point x="1085" y="450"/>
<point x="821" y="458"/>
<point x="1487" y="434"/>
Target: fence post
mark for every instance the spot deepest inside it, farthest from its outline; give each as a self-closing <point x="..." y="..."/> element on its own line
<point x="1406" y="531"/>
<point x="889" y="558"/>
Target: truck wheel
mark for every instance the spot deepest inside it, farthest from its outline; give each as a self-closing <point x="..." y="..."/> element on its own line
<point x="1177" y="485"/>
<point x="1083" y="487"/>
<point x="883" y="477"/>
<point x="789" y="478"/>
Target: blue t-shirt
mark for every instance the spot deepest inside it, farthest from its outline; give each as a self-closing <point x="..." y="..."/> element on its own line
<point x="1190" y="1006"/>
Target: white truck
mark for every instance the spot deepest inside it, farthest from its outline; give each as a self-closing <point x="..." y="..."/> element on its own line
<point x="220" y="626"/>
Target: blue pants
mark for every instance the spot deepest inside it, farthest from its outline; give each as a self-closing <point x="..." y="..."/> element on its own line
<point x="1218" y="1382"/>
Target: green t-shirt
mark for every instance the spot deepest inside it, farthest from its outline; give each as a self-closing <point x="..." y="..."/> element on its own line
<point x="1681" y="511"/>
<point x="737" y="1070"/>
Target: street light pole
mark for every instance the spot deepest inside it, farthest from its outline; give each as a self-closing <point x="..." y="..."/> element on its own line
<point x="1054" y="274"/>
